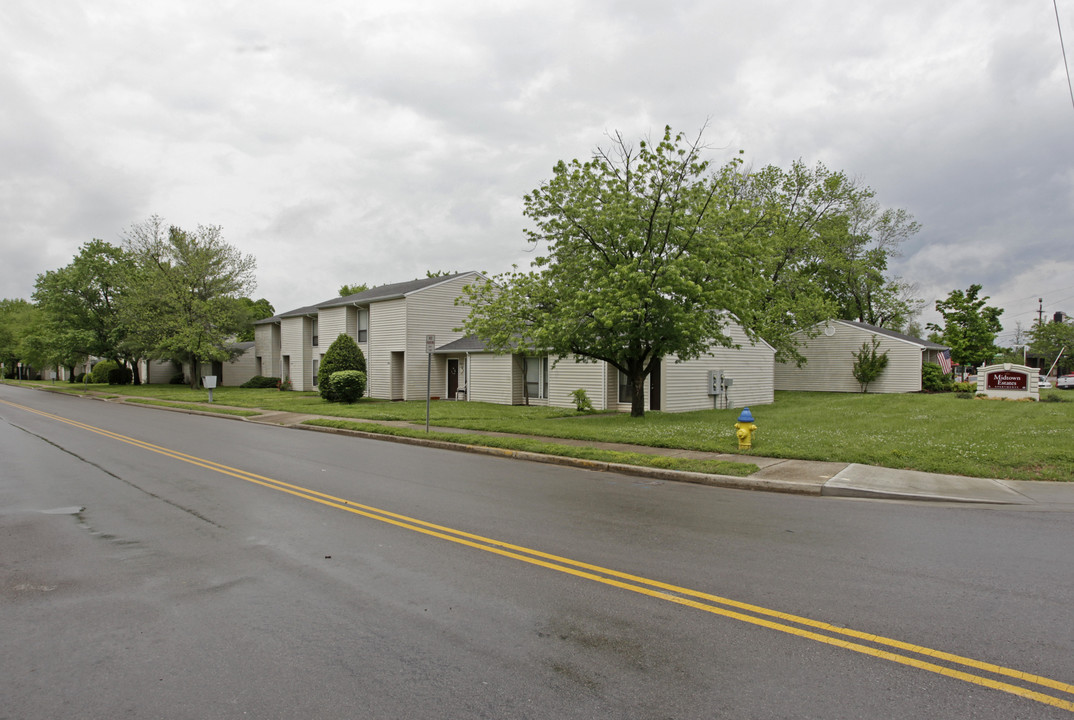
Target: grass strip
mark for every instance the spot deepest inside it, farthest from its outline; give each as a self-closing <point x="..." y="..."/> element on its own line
<point x="187" y="406"/>
<point x="711" y="467"/>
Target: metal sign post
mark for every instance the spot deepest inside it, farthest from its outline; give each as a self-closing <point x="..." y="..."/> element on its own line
<point x="430" y="345"/>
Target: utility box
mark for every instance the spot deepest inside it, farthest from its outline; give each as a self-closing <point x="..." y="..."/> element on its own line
<point x="715" y="382"/>
<point x="209" y="381"/>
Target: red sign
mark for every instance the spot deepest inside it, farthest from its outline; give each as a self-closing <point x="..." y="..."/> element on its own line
<point x="1007" y="380"/>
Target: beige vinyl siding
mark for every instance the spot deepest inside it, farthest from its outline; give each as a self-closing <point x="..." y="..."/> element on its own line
<point x="240" y="369"/>
<point x="611" y="389"/>
<point x="332" y="323"/>
<point x="267" y="347"/>
<point x="295" y="342"/>
<point x="570" y="374"/>
<point x="686" y="384"/>
<point x="351" y="322"/>
<point x="432" y="311"/>
<point x="830" y="366"/>
<point x="491" y="378"/>
<point x="387" y="334"/>
<point x="159" y="372"/>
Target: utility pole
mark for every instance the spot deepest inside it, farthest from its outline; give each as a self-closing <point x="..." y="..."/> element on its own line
<point x="1040" y="311"/>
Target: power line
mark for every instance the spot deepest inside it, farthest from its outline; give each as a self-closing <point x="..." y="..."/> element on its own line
<point x="1066" y="66"/>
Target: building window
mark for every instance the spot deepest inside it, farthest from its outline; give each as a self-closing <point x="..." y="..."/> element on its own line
<point x="537" y="377"/>
<point x="363" y="325"/>
<point x="313" y="324"/>
<point x="626" y="390"/>
<point x="316" y="367"/>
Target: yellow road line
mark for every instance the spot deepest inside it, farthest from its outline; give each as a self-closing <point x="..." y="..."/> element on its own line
<point x="653" y="588"/>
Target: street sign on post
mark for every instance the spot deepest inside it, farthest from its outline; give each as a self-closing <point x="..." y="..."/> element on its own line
<point x="430" y="345"/>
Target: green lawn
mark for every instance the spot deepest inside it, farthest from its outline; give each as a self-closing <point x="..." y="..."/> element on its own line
<point x="935" y="433"/>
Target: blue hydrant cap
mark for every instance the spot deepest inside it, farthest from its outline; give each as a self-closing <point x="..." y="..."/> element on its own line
<point x="746" y="416"/>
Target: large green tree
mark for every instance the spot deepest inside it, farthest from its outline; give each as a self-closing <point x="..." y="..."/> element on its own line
<point x="18" y="318"/>
<point x="635" y="268"/>
<point x="84" y="306"/>
<point x="824" y="245"/>
<point x="187" y="289"/>
<point x="253" y="310"/>
<point x="348" y="289"/>
<point x="647" y="253"/>
<point x="1048" y="340"/>
<point x="970" y="326"/>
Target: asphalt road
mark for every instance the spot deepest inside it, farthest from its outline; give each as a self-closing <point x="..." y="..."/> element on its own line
<point x="156" y="564"/>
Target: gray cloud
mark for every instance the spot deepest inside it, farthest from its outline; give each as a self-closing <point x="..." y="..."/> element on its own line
<point x="349" y="142"/>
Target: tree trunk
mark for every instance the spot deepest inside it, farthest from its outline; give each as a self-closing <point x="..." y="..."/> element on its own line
<point x="195" y="378"/>
<point x="637" y="394"/>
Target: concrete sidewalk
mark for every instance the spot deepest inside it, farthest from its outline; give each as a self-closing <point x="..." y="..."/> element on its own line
<point x="804" y="477"/>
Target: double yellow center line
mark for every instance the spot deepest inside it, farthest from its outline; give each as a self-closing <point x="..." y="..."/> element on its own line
<point x="966" y="669"/>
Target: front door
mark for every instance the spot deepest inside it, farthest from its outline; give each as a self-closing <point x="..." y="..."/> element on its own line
<point x="452" y="379"/>
<point x="654" y="386"/>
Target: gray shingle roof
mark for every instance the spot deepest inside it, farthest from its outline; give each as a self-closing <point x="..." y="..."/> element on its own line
<point x="463" y="344"/>
<point x="388" y="292"/>
<point x="927" y="344"/>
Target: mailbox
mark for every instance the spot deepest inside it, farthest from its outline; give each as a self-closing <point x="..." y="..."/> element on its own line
<point x="209" y="381"/>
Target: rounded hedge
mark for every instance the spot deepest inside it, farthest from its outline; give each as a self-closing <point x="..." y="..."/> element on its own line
<point x="99" y="373"/>
<point x="347" y="385"/>
<point x="262" y="381"/>
<point x="120" y="376"/>
<point x="342" y="354"/>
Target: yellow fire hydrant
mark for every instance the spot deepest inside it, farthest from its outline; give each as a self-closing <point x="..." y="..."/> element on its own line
<point x="744" y="429"/>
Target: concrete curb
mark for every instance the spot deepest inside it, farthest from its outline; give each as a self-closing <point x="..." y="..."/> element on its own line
<point x="725" y="481"/>
<point x="854" y="481"/>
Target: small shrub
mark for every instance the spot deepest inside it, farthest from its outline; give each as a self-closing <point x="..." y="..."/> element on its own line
<point x="284" y="384"/>
<point x="120" y="376"/>
<point x="261" y="381"/>
<point x="581" y="400"/>
<point x="178" y="379"/>
<point x="79" y="378"/>
<point x="964" y="387"/>
<point x="347" y="385"/>
<point x="99" y="373"/>
<point x="962" y="395"/>
<point x="933" y="378"/>
<point x="342" y="354"/>
<point x="1053" y="397"/>
<point x="868" y="363"/>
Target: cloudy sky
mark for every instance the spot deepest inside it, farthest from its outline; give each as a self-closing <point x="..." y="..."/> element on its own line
<point x="346" y="141"/>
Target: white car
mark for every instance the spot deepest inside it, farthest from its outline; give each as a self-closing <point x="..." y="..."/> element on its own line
<point x="1065" y="382"/>
<point x="1043" y="384"/>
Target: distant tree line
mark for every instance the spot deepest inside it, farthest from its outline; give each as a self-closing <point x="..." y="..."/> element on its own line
<point x="163" y="293"/>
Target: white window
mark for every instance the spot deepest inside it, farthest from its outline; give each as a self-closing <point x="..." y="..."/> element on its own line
<point x="363" y="325"/>
<point x="537" y="377"/>
<point x="313" y="326"/>
<point x="626" y="390"/>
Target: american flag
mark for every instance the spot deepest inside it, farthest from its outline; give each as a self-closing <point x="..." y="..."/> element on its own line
<point x="945" y="361"/>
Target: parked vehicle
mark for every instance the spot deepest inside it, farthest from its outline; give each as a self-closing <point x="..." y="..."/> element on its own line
<point x="1043" y="384"/>
<point x="1065" y="382"/>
